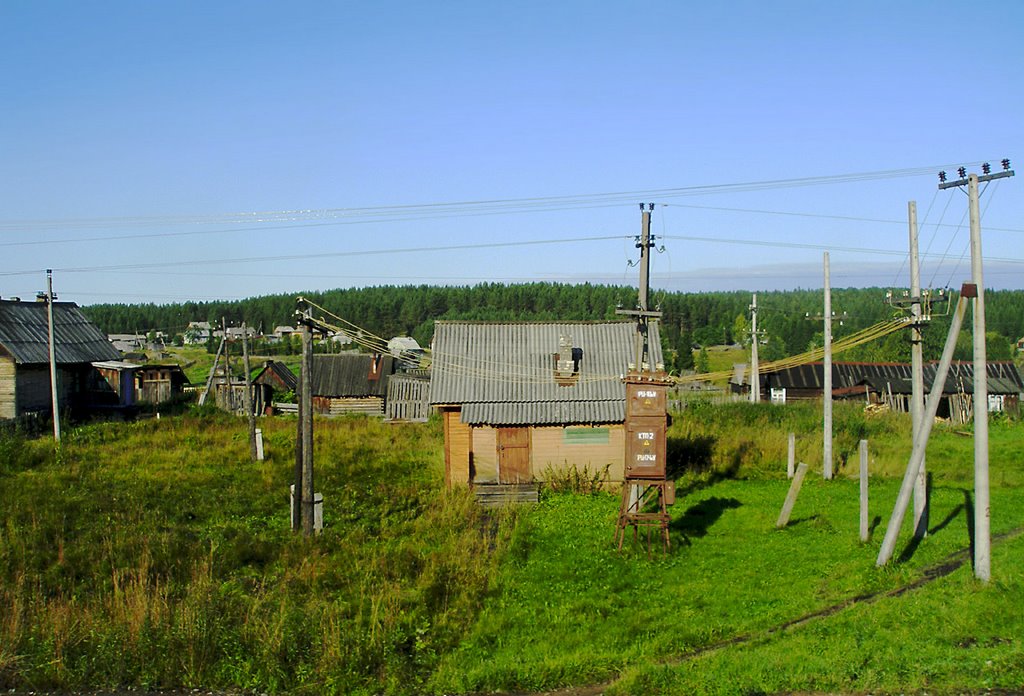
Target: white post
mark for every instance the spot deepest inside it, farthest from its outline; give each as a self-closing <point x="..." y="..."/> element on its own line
<point x="791" y="458"/>
<point x="827" y="389"/>
<point x="259" y="444"/>
<point x="863" y="491"/>
<point x="794" y="490"/>
<point x="982" y="556"/>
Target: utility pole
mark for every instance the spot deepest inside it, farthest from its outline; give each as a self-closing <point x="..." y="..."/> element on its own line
<point x="50" y="297"/>
<point x="982" y="512"/>
<point x="917" y="374"/>
<point x="306" y="424"/>
<point x="642" y="313"/>
<point x="250" y="416"/>
<point x="921" y="440"/>
<point x="827" y="389"/>
<point x="755" y="377"/>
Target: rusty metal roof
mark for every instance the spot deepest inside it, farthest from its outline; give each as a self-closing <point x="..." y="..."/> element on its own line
<point x="351" y="375"/>
<point x="24" y="334"/>
<point x="504" y="373"/>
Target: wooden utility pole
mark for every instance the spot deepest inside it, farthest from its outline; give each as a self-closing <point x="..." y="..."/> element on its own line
<point x="227" y="357"/>
<point x="213" y="372"/>
<point x="827" y="388"/>
<point x="250" y="416"/>
<point x="50" y="297"/>
<point x="917" y="373"/>
<point x="755" y="377"/>
<point x="306" y="429"/>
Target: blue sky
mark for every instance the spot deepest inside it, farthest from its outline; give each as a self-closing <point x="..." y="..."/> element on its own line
<point x="147" y="148"/>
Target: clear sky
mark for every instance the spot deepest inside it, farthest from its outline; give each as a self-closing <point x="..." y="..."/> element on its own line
<point x="147" y="149"/>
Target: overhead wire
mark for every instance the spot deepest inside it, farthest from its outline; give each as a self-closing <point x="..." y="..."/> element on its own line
<point x="467" y="207"/>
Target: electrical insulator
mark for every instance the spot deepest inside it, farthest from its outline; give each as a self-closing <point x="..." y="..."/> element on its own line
<point x="962" y="171"/>
<point x="942" y="177"/>
<point x="986" y="168"/>
<point x="1006" y="165"/>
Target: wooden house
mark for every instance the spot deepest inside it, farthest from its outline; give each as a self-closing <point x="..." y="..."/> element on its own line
<point x="350" y="383"/>
<point x="522" y="400"/>
<point x="25" y="357"/>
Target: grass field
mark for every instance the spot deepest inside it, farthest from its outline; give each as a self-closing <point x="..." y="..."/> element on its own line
<point x="155" y="555"/>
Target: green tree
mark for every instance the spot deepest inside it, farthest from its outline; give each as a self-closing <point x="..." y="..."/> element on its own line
<point x="703" y="363"/>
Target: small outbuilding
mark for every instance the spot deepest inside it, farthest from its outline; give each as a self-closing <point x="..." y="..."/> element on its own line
<point x="350" y="383"/>
<point x="522" y="401"/>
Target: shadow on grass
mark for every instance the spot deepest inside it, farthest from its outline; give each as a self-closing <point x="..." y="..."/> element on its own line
<point x="967" y="507"/>
<point x="698" y="518"/>
<point x="801" y="520"/>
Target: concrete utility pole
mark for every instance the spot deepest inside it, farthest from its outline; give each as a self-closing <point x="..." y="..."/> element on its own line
<point x="917" y="374"/>
<point x="982" y="512"/>
<point x="755" y="378"/>
<point x="50" y="297"/>
<point x="642" y="313"/>
<point x="827" y="388"/>
<point x="921" y="440"/>
<point x="982" y="541"/>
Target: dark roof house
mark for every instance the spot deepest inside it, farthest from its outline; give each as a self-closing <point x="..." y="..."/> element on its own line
<point x="25" y="356"/>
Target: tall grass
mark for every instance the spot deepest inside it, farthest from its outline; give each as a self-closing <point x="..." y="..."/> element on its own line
<point x="156" y="555"/>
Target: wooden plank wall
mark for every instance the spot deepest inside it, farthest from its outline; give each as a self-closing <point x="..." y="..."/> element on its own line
<point x="8" y="389"/>
<point x="408" y="399"/>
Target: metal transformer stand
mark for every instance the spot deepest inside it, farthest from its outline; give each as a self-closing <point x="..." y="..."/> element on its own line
<point x="646" y="490"/>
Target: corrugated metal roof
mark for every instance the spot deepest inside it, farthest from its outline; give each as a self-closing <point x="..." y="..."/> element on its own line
<point x="24" y="334"/>
<point x="348" y="375"/>
<point x="545" y="412"/>
<point x="1003" y="377"/>
<point x="503" y="373"/>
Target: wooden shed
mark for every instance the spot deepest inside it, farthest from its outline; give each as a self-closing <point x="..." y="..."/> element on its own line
<point x="25" y="357"/>
<point x="158" y="384"/>
<point x="351" y="383"/>
<point x="521" y="401"/>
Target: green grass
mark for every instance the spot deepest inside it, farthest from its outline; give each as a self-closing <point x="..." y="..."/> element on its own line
<point x="568" y="609"/>
<point x="156" y="555"/>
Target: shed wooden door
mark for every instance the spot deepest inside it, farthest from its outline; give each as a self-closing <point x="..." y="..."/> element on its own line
<point x="514" y="455"/>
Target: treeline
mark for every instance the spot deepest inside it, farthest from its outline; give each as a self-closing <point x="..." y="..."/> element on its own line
<point x="790" y="319"/>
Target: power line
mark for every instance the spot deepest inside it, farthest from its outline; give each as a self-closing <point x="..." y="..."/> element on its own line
<point x="503" y="205"/>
